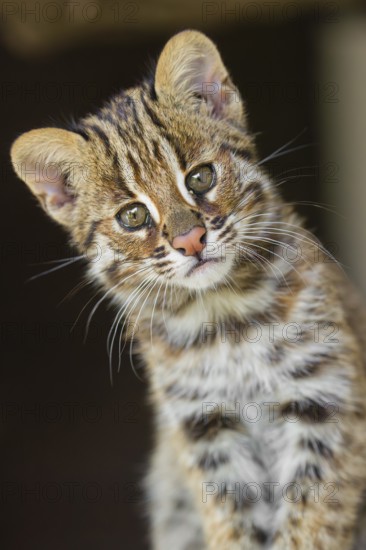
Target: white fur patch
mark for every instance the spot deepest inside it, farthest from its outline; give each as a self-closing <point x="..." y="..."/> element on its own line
<point x="180" y="179"/>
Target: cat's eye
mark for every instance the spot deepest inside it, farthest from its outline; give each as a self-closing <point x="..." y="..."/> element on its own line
<point x="133" y="216"/>
<point x="201" y="179"/>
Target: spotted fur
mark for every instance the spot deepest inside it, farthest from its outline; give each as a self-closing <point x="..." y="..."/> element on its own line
<point x="243" y="330"/>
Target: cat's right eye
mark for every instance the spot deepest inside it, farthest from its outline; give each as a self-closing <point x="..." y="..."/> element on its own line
<point x="133" y="216"/>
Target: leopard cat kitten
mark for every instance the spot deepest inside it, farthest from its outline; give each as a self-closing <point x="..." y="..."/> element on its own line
<point x="253" y="340"/>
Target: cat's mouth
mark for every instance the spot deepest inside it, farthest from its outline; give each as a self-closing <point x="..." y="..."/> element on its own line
<point x="204" y="271"/>
<point x="201" y="265"/>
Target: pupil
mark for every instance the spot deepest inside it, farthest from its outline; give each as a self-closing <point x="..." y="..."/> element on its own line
<point x="202" y="177"/>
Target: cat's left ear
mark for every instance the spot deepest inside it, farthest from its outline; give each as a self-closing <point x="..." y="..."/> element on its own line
<point x="191" y="67"/>
<point x="47" y="160"/>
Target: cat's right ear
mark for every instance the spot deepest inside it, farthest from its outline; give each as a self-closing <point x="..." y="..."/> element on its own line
<point x="46" y="160"/>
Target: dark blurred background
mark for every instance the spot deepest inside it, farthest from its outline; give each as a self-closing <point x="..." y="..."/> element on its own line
<point x="74" y="449"/>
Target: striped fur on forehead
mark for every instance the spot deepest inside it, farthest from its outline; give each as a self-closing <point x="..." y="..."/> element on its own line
<point x="150" y="136"/>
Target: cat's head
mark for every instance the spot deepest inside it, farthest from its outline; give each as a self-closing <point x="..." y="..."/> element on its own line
<point x="162" y="182"/>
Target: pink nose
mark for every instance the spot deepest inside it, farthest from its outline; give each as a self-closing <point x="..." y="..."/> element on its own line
<point x="190" y="243"/>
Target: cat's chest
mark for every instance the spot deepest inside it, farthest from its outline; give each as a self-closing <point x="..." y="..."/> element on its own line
<point x="233" y="381"/>
<point x="233" y="370"/>
<point x="241" y="369"/>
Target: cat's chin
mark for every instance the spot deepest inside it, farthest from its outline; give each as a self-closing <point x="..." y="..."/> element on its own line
<point x="205" y="274"/>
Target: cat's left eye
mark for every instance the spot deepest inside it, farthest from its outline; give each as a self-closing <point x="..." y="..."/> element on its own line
<point x="133" y="216"/>
<point x="201" y="179"/>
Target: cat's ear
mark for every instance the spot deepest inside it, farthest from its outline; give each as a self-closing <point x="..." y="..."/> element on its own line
<point x="45" y="159"/>
<point x="190" y="67"/>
